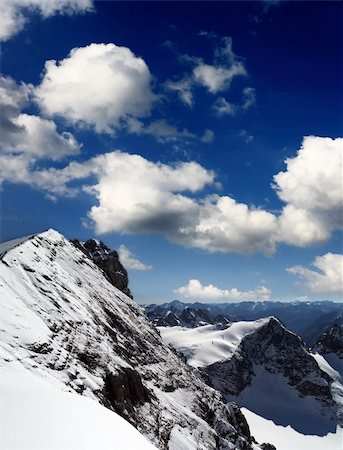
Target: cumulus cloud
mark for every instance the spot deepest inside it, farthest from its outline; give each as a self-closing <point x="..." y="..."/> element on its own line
<point x="224" y="225"/>
<point x="135" y="195"/>
<point x="27" y="138"/>
<point x="327" y="275"/>
<point x="130" y="261"/>
<point x="148" y="196"/>
<point x="195" y="290"/>
<point x="14" y="12"/>
<point x="100" y="85"/>
<point x="312" y="189"/>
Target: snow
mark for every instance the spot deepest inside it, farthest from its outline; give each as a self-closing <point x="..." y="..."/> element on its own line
<point x="208" y="344"/>
<point x="8" y="245"/>
<point x="286" y="438"/>
<point x="323" y="363"/>
<point x="38" y="416"/>
<point x="55" y="306"/>
<point x="270" y="396"/>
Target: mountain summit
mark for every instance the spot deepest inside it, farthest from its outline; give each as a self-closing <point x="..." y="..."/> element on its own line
<point x="62" y="321"/>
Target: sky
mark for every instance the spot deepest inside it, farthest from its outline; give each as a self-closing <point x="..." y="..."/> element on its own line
<point x="202" y="140"/>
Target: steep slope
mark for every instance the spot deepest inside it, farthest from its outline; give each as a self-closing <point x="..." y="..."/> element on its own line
<point x="39" y="416"/>
<point x="64" y="322"/>
<point x="265" y="368"/>
<point x="108" y="261"/>
<point x="331" y="341"/>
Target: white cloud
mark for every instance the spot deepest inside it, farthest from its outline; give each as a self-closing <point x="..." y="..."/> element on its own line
<point x="208" y="136"/>
<point x="222" y="107"/>
<point x="129" y="261"/>
<point x="183" y="88"/>
<point x="160" y="129"/>
<point x="223" y="225"/>
<point x="135" y="195"/>
<point x="226" y="66"/>
<point x="327" y="276"/>
<point x="26" y="138"/>
<point x="195" y="290"/>
<point x="215" y="77"/>
<point x="147" y="195"/>
<point x="312" y="189"/>
<point x="100" y="85"/>
<point x="14" y="12"/>
<point x="249" y="98"/>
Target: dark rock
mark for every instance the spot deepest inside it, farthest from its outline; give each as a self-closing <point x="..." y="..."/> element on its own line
<point x="124" y="390"/>
<point x="108" y="261"/>
<point x="331" y="341"/>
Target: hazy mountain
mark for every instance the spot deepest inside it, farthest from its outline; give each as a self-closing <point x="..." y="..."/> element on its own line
<point x="307" y="319"/>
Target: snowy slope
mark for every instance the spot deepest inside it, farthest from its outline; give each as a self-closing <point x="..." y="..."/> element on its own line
<point x="39" y="416"/>
<point x="208" y="344"/>
<point x="62" y="320"/>
<point x="265" y="368"/>
<point x="286" y="438"/>
<point x="8" y="245"/>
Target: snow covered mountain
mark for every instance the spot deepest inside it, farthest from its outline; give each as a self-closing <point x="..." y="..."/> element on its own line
<point x="108" y="261"/>
<point x="307" y="319"/>
<point x="64" y="324"/>
<point x="264" y="367"/>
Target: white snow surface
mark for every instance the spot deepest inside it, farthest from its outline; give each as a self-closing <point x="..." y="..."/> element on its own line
<point x="269" y="396"/>
<point x="285" y="438"/>
<point x="8" y="245"/>
<point x="208" y="344"/>
<point x="38" y="416"/>
<point x="55" y="305"/>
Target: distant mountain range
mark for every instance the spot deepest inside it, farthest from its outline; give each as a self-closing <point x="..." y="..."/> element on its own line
<point x="64" y="324"/>
<point x="74" y="343"/>
<point x="307" y="319"/>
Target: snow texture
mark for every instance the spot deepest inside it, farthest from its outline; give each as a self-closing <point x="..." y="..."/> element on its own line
<point x="208" y="344"/>
<point x="39" y="416"/>
<point x="63" y="322"/>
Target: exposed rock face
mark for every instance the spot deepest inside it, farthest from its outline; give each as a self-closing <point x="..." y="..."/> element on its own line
<point x="185" y="317"/>
<point x="61" y="319"/>
<point x="108" y="261"/>
<point x="278" y="351"/>
<point x="331" y="341"/>
<point x="306" y="319"/>
<point x="264" y="367"/>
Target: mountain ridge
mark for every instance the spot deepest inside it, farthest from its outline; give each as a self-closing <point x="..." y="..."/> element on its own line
<point x="66" y="323"/>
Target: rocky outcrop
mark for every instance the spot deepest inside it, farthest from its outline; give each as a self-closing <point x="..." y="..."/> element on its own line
<point x="331" y="341"/>
<point x="278" y="351"/>
<point x="108" y="261"/>
<point x="64" y="321"/>
<point x="188" y="317"/>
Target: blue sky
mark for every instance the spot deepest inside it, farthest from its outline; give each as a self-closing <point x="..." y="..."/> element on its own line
<point x="202" y="139"/>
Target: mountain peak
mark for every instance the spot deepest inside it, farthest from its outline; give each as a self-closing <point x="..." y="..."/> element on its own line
<point x="108" y="261"/>
<point x="63" y="321"/>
